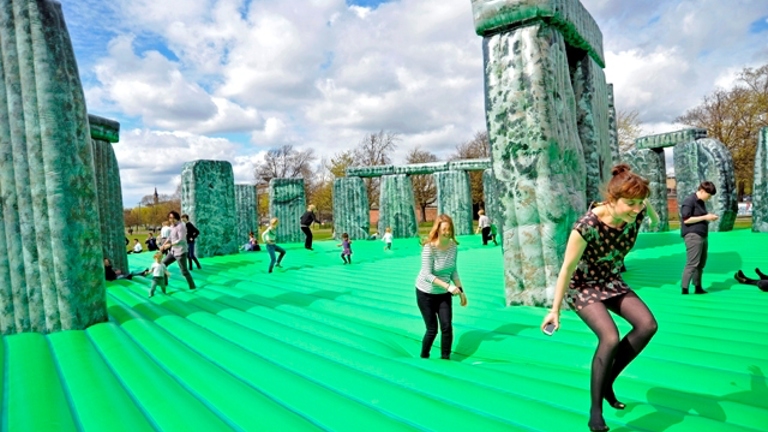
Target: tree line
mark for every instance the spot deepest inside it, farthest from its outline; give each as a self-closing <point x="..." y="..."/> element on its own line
<point x="372" y="150"/>
<point x="733" y="116"/>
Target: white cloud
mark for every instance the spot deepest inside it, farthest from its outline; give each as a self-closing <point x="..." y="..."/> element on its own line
<point x="321" y="74"/>
<point x="150" y="159"/>
<point x="157" y="90"/>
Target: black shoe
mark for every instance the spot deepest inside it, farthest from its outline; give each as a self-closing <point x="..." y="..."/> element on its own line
<point x="598" y="427"/>
<point x="762" y="275"/>
<point x="616" y="404"/>
<point x="685" y="291"/>
<point x="192" y="288"/>
<point x="699" y="290"/>
<point x="741" y="278"/>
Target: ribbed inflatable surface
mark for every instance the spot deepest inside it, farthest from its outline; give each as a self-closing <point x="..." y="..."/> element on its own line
<point x="319" y="345"/>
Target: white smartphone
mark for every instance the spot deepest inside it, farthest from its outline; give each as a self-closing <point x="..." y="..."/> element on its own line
<point x="549" y="329"/>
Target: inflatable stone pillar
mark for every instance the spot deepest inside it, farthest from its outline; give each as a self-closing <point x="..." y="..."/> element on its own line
<point x="491" y="194"/>
<point x="247" y="208"/>
<point x="208" y="197"/>
<point x="51" y="271"/>
<point x="650" y="163"/>
<point x="103" y="133"/>
<point x="760" y="185"/>
<point x="287" y="202"/>
<point x="613" y="130"/>
<point x="592" y="110"/>
<point x="454" y="198"/>
<point x="708" y="159"/>
<point x="396" y="206"/>
<point x="351" y="212"/>
<point x="537" y="154"/>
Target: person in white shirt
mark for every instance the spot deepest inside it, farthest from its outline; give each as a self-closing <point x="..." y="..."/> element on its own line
<point x="484" y="225"/>
<point x="387" y="239"/>
<point x="159" y="274"/>
<point x="136" y="247"/>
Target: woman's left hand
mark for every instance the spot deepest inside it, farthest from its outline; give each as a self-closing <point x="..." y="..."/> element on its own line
<point x="463" y="299"/>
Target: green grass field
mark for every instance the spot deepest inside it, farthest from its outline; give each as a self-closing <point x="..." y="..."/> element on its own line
<point x="319" y="345"/>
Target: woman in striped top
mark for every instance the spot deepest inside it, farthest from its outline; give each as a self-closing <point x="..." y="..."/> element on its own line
<point x="437" y="281"/>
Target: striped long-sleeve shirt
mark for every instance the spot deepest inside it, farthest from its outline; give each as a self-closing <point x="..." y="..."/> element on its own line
<point x="436" y="264"/>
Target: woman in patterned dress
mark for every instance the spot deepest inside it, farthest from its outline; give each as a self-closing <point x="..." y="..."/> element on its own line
<point x="591" y="275"/>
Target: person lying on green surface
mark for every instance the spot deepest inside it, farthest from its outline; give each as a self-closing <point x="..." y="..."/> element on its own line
<point x="762" y="283"/>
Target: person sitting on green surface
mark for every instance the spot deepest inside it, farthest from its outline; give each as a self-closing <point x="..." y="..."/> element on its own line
<point x="110" y="274"/>
<point x="590" y="281"/>
<point x="762" y="283"/>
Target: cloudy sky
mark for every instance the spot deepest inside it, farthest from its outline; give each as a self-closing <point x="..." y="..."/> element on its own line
<point x="230" y="79"/>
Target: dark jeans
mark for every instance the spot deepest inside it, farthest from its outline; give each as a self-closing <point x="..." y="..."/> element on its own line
<point x="436" y="308"/>
<point x="271" y="248"/>
<point x="191" y="255"/>
<point x="170" y="259"/>
<point x="696" y="252"/>
<point x="308" y="233"/>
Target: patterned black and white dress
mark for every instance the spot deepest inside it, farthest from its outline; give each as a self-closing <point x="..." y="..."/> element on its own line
<point x="598" y="275"/>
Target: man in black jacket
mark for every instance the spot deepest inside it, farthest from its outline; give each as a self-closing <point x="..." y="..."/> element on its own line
<point x="306" y="221"/>
<point x="695" y="229"/>
<point x="192" y="233"/>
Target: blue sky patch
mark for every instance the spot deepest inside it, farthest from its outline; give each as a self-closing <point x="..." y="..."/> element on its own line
<point x="366" y="3"/>
<point x="759" y="25"/>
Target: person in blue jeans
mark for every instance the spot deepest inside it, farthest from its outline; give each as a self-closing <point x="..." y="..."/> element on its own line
<point x="270" y="237"/>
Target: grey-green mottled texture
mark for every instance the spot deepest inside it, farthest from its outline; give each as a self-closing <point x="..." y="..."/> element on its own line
<point x="208" y="197"/>
<point x="591" y="92"/>
<point x="51" y="271"/>
<point x="287" y="202"/>
<point x="568" y="16"/>
<point x="110" y="204"/>
<point x="247" y="208"/>
<point x="537" y="157"/>
<point x="454" y="198"/>
<point x="760" y="185"/>
<point x="491" y="197"/>
<point x="396" y="206"/>
<point x="104" y="129"/>
<point x="650" y="163"/>
<point x="670" y="139"/>
<point x="370" y="171"/>
<point x="708" y="159"/>
<point x="481" y="164"/>
<point x="351" y="211"/>
<point x="420" y="168"/>
<point x="612" y="127"/>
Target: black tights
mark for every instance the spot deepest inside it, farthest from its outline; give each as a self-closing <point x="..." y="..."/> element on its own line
<point x="613" y="355"/>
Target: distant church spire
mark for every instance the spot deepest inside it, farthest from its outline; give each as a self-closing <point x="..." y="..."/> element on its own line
<point x="157" y="197"/>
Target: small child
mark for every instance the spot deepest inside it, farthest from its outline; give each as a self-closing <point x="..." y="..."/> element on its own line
<point x="346" y="252"/>
<point x="494" y="231"/>
<point x="160" y="274"/>
<point x="387" y="239"/>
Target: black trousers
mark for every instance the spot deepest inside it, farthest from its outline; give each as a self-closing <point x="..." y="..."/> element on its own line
<point x="308" y="233"/>
<point x="486" y="232"/>
<point x="436" y="308"/>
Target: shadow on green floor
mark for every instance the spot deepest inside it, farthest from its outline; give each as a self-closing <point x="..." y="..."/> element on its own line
<point x="672" y="406"/>
<point x="470" y="341"/>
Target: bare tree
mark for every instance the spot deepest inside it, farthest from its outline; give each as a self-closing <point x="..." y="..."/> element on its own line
<point x="424" y="187"/>
<point x="628" y="128"/>
<point x="734" y="117"/>
<point x="476" y="148"/>
<point x="286" y="162"/>
<point x="375" y="149"/>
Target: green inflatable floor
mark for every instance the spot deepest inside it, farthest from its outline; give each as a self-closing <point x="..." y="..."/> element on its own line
<point x="319" y="345"/>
